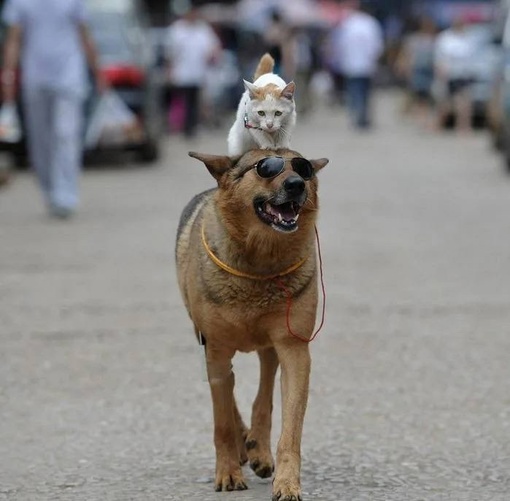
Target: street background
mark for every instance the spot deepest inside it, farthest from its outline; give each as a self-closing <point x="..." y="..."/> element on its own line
<point x="101" y="391"/>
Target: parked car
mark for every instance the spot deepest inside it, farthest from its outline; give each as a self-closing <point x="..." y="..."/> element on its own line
<point x="499" y="114"/>
<point x="120" y="31"/>
<point x="485" y="65"/>
<point x="128" y="65"/>
<point x="15" y="150"/>
<point x="496" y="106"/>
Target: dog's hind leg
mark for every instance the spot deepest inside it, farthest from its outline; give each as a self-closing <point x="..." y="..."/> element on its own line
<point x="229" y="476"/>
<point x="258" y="443"/>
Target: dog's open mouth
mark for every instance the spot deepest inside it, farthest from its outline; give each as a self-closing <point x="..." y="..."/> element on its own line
<point x="282" y="217"/>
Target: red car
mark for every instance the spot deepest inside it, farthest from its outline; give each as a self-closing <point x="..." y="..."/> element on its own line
<point x="127" y="62"/>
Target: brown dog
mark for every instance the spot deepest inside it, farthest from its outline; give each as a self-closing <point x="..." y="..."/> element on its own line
<point x="241" y="253"/>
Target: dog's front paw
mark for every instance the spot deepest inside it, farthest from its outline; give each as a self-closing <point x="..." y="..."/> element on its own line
<point x="285" y="490"/>
<point x="232" y="480"/>
<point x="261" y="460"/>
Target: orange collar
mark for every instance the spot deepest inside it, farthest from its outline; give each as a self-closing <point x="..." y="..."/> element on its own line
<point x="217" y="261"/>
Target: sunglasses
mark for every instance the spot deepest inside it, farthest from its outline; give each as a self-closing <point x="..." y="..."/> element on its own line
<point x="273" y="166"/>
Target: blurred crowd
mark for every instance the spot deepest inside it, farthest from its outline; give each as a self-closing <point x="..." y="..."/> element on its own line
<point x="443" y="69"/>
<point x="186" y="73"/>
<point x="447" y="66"/>
<point x="320" y="54"/>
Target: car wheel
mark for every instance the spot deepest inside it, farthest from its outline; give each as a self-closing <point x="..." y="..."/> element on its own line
<point x="148" y="152"/>
<point x="19" y="160"/>
<point x="507" y="162"/>
<point x="498" y="141"/>
<point x="505" y="150"/>
<point x="506" y="155"/>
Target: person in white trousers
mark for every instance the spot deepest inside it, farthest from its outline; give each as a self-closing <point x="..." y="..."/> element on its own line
<point x="51" y="41"/>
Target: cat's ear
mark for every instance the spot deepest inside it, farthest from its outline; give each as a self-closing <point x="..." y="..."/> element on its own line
<point x="252" y="89"/>
<point x="319" y="163"/>
<point x="288" y="91"/>
<point x="217" y="165"/>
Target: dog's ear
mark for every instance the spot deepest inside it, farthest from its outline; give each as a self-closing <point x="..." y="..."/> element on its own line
<point x="217" y="165"/>
<point x="319" y="163"/>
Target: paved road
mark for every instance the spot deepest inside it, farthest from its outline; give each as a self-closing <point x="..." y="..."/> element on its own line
<point x="101" y="397"/>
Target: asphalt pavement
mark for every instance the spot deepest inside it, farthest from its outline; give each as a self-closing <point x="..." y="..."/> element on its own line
<point x="101" y="391"/>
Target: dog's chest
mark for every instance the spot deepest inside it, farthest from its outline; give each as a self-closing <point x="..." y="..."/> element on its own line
<point x="245" y="320"/>
<point x="243" y="294"/>
<point x="250" y="339"/>
<point x="242" y="330"/>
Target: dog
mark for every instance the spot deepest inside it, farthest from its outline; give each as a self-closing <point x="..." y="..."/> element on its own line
<point x="247" y="270"/>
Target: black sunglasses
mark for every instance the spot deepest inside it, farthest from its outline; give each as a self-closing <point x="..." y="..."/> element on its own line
<point x="273" y="166"/>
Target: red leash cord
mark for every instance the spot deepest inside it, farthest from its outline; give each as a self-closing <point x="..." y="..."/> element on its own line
<point x="280" y="283"/>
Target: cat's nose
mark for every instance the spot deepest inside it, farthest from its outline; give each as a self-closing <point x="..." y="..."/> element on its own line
<point x="294" y="185"/>
<point x="269" y="125"/>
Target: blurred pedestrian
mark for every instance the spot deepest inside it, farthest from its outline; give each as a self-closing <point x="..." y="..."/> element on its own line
<point x="361" y="45"/>
<point x="304" y="65"/>
<point x="192" y="47"/>
<point x="416" y="65"/>
<point x="454" y="52"/>
<point x="53" y="44"/>
<point x="278" y="39"/>
<point x="333" y="58"/>
<point x="393" y="28"/>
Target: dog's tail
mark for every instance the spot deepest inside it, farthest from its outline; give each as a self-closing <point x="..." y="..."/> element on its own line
<point x="266" y="65"/>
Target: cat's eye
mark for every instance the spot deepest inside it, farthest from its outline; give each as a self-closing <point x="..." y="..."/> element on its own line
<point x="277" y="113"/>
<point x="261" y="113"/>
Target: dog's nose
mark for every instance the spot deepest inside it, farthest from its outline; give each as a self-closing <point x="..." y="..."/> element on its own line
<point x="294" y="185"/>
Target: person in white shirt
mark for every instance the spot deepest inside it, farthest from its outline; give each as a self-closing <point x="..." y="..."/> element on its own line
<point x="192" y="47"/>
<point x="51" y="40"/>
<point x="454" y="52"/>
<point x="360" y="45"/>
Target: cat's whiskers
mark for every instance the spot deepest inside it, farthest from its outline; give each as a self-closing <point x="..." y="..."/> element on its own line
<point x="283" y="131"/>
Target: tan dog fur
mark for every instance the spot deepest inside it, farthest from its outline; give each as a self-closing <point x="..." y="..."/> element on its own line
<point x="242" y="314"/>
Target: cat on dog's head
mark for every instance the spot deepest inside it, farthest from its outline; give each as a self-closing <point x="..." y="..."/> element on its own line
<point x="266" y="114"/>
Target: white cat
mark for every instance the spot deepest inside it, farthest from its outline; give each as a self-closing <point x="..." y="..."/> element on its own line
<point x="266" y="115"/>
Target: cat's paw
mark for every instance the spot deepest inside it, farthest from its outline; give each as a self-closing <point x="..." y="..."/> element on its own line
<point x="268" y="146"/>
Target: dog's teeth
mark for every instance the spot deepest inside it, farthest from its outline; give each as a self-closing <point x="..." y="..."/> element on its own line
<point x="280" y="218"/>
<point x="296" y="218"/>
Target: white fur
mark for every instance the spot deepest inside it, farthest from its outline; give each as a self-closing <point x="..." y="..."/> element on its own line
<point x="242" y="139"/>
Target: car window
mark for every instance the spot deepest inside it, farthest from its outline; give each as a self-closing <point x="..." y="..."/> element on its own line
<point x="115" y="36"/>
